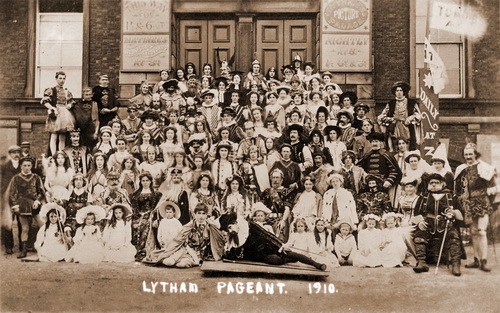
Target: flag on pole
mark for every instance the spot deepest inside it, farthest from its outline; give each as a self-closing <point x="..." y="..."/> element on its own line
<point x="458" y="19"/>
<point x="436" y="65"/>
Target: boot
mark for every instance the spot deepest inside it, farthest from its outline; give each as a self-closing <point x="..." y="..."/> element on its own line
<point x="483" y="266"/>
<point x="32" y="238"/>
<point x="421" y="267"/>
<point x="24" y="251"/>
<point x="8" y="251"/>
<point x="474" y="264"/>
<point x="455" y="268"/>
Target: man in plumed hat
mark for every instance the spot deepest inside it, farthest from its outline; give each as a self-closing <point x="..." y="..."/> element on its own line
<point x="249" y="140"/>
<point x="171" y="99"/>
<point x="382" y="163"/>
<point x="374" y="200"/>
<point x="475" y="182"/>
<point x="438" y="213"/>
<point x="360" y="111"/>
<point x="345" y="119"/>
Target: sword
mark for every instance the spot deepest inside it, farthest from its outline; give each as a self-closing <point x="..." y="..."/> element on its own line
<point x="442" y="243"/>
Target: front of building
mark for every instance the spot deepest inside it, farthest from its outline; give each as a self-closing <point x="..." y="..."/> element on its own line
<point x="367" y="45"/>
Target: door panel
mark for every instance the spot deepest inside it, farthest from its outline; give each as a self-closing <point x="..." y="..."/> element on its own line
<point x="200" y="39"/>
<point x="193" y="43"/>
<point x="278" y="41"/>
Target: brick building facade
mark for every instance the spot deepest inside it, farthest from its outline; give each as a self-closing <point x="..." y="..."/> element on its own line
<point x="474" y="115"/>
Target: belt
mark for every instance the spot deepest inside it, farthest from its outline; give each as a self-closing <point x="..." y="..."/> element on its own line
<point x="274" y="215"/>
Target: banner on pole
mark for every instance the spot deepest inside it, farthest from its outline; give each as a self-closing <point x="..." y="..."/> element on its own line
<point x="438" y="70"/>
<point x="429" y="107"/>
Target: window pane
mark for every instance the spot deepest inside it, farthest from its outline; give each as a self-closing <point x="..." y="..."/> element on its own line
<point x="49" y="54"/>
<point x="419" y="54"/>
<point x="61" y="6"/>
<point x="454" y="82"/>
<point x="450" y="54"/>
<point x="71" y="54"/>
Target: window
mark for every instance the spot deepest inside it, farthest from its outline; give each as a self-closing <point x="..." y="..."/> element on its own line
<point x="59" y="44"/>
<point x="449" y="46"/>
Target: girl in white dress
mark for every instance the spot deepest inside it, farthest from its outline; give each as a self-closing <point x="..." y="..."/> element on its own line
<point x="88" y="246"/>
<point x="369" y="244"/>
<point x="59" y="177"/>
<point x="322" y="246"/>
<point x="307" y="203"/>
<point x="50" y="240"/>
<point x="393" y="245"/>
<point x="300" y="238"/>
<point x="117" y="235"/>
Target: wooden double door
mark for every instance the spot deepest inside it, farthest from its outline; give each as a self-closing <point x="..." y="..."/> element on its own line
<point x="276" y="42"/>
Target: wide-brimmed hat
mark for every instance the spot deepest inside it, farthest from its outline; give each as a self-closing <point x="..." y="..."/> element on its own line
<point x="408" y="181"/>
<point x="329" y="128"/>
<point x="404" y="85"/>
<point x="98" y="211"/>
<point x="413" y="153"/>
<point x="259" y="206"/>
<point x="336" y="88"/>
<point x="224" y="144"/>
<point x="149" y="114"/>
<point x="344" y="221"/>
<point x="283" y="87"/>
<point x="162" y="208"/>
<point x="127" y="210"/>
<point x="219" y="80"/>
<point x="349" y="94"/>
<point x="171" y="83"/>
<point x="207" y="92"/>
<point x="287" y="67"/>
<point x="327" y="73"/>
<point x="375" y="178"/>
<point x="49" y="206"/>
<point x="296" y="127"/>
<point x="376" y="136"/>
<point x="361" y="106"/>
<point x="345" y="113"/>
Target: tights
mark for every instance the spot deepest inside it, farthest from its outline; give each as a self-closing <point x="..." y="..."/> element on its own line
<point x="479" y="239"/>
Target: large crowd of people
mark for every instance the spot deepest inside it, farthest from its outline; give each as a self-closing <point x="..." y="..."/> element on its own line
<point x="276" y="167"/>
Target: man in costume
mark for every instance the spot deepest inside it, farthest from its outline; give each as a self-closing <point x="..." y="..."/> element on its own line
<point x="210" y="110"/>
<point x="113" y="193"/>
<point x="77" y="153"/>
<point x="174" y="190"/>
<point x="289" y="168"/>
<point x="106" y="99"/>
<point x="475" y="183"/>
<point x="279" y="200"/>
<point x="380" y="162"/>
<point x="131" y="124"/>
<point x="228" y="121"/>
<point x="250" y="140"/>
<point x="301" y="153"/>
<point x="199" y="240"/>
<point x="8" y="170"/>
<point x="374" y="200"/>
<point x="86" y="113"/>
<point x="25" y="196"/>
<point x="248" y="240"/>
<point x="438" y="212"/>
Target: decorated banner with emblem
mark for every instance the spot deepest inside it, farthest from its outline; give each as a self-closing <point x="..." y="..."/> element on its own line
<point x="429" y="107"/>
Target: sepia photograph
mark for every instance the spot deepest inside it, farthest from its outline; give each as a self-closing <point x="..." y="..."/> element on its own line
<point x="250" y="155"/>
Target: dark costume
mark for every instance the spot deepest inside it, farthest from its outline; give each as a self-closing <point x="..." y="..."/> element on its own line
<point x="427" y="242"/>
<point x="78" y="158"/>
<point x="75" y="203"/>
<point x="106" y="99"/>
<point x="377" y="203"/>
<point x="143" y="205"/>
<point x="291" y="171"/>
<point x="278" y="199"/>
<point x="7" y="171"/>
<point x="86" y="115"/>
<point x="381" y="163"/>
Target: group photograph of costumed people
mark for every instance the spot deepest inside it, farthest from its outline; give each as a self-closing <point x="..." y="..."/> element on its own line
<point x="243" y="166"/>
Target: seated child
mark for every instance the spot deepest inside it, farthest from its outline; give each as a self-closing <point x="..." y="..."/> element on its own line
<point x="393" y="245"/>
<point x="260" y="212"/>
<point x="170" y="226"/>
<point x="117" y="235"/>
<point x="50" y="240"/>
<point x="345" y="244"/>
<point x="307" y="203"/>
<point x="322" y="246"/>
<point x="300" y="237"/>
<point x="369" y="244"/>
<point x="88" y="246"/>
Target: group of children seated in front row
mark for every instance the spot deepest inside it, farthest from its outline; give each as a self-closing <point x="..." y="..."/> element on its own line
<point x="106" y="237"/>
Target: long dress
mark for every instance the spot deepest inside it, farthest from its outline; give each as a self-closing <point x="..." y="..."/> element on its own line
<point x="88" y="247"/>
<point x="49" y="244"/>
<point x="368" y="241"/>
<point x="322" y="249"/>
<point x="117" y="243"/>
<point x="97" y="183"/>
<point x="58" y="181"/>
<point x="394" y="252"/>
<point x="306" y="206"/>
<point x="142" y="204"/>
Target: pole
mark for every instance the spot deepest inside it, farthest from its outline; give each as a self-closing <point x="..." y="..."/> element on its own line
<point x="442" y="246"/>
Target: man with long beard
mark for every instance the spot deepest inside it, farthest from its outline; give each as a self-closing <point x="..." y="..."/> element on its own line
<point x="174" y="190"/>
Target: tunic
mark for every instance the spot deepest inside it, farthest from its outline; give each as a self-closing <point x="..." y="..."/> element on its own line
<point x="24" y="190"/>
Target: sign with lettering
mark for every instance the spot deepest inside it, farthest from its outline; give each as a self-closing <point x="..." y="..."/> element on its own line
<point x="146" y="16"/>
<point x="346" y="35"/>
<point x="146" y="35"/>
<point x="344" y="53"/>
<point x="429" y="107"/>
<point x="145" y="52"/>
<point x="346" y="15"/>
<point x="458" y="19"/>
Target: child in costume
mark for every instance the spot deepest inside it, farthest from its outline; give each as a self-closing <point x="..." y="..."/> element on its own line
<point x="393" y="246"/>
<point x="322" y="245"/>
<point x="307" y="203"/>
<point x="117" y="235"/>
<point x="50" y="240"/>
<point x="300" y="238"/>
<point x="170" y="226"/>
<point x="79" y="198"/>
<point x="260" y="212"/>
<point x="369" y="244"/>
<point x="345" y="244"/>
<point x="88" y="246"/>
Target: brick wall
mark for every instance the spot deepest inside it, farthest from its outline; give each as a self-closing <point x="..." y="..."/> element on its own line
<point x="486" y="73"/>
<point x="13" y="29"/>
<point x="105" y="21"/>
<point x="391" y="39"/>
